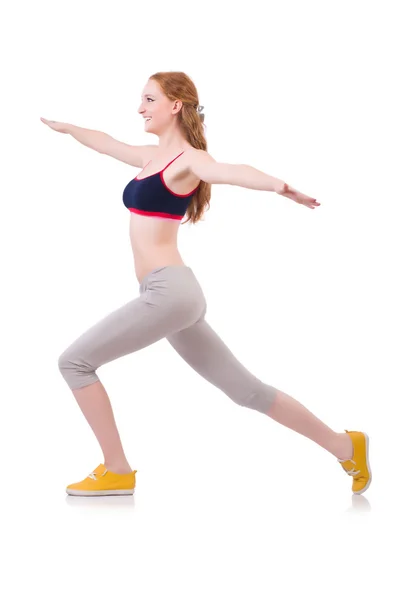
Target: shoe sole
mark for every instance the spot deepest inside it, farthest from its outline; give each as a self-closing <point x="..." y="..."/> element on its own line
<point x="368" y="467"/>
<point x="100" y="492"/>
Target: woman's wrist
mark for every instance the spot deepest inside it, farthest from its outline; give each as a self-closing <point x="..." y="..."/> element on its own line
<point x="281" y="188"/>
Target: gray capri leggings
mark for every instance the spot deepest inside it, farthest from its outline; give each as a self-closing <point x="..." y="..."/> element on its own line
<point x="170" y="305"/>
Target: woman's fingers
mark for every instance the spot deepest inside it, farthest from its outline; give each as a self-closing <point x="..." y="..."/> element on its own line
<point x="56" y="125"/>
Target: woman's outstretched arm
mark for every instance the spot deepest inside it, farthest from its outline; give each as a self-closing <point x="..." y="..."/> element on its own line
<point x="206" y="168"/>
<point x="137" y="156"/>
<point x="97" y="140"/>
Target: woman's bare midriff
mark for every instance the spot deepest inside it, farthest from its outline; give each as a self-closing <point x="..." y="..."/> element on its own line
<point x="153" y="243"/>
<point x="154" y="239"/>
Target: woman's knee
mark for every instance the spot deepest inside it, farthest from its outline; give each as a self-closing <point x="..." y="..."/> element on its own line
<point x="67" y="359"/>
<point x="261" y="399"/>
<point x="77" y="372"/>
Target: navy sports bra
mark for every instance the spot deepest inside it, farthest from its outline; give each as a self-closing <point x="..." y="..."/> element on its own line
<point x="150" y="196"/>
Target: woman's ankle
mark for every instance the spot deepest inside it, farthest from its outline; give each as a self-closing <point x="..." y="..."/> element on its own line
<point x="119" y="467"/>
<point x="343" y="447"/>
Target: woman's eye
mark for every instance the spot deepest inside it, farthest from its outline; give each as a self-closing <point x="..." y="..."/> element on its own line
<point x="150" y="99"/>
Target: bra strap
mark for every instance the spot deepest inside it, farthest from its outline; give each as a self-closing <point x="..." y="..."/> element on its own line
<point x="172" y="161"/>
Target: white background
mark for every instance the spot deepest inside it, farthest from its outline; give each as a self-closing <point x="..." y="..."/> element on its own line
<point x="228" y="503"/>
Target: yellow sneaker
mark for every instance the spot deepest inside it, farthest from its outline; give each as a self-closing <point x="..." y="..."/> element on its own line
<point x="102" y="482"/>
<point x="358" y="466"/>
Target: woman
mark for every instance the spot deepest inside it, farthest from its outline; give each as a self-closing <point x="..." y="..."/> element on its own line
<point x="175" y="180"/>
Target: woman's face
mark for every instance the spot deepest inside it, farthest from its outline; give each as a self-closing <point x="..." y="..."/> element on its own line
<point x="157" y="106"/>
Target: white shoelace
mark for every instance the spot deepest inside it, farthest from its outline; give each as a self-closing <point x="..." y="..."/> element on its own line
<point x="93" y="474"/>
<point x="349" y="471"/>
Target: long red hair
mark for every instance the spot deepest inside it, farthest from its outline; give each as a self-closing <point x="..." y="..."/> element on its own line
<point x="176" y="85"/>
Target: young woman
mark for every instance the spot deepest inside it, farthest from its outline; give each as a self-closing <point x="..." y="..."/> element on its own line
<point x="176" y="180"/>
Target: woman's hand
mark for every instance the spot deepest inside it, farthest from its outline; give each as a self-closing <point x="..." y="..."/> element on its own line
<point x="298" y="197"/>
<point x="61" y="127"/>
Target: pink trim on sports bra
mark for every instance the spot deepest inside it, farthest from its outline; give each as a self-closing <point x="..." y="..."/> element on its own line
<point x="174" y="193"/>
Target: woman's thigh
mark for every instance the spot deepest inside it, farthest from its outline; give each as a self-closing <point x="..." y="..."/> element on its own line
<point x="166" y="304"/>
<point x="203" y="349"/>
